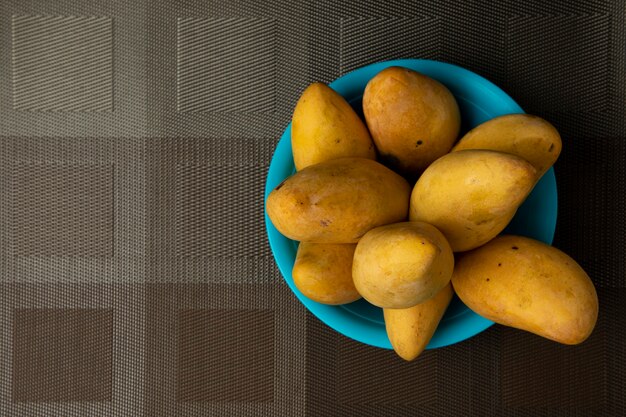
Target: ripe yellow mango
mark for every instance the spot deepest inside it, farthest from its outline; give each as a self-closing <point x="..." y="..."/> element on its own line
<point x="401" y="265"/>
<point x="410" y="329"/>
<point x="471" y="195"/>
<point x="520" y="282"/>
<point x="527" y="136"/>
<point x="338" y="201"/>
<point x="323" y="272"/>
<point x="413" y="119"/>
<point x="325" y="127"/>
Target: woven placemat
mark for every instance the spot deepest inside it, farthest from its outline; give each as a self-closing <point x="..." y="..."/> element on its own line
<point x="135" y="274"/>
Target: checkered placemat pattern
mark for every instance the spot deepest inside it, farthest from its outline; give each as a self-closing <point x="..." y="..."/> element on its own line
<point x="135" y="274"/>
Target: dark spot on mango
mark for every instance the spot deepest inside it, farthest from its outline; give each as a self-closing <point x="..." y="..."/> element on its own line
<point x="479" y="218"/>
<point x="418" y="143"/>
<point x="551" y="147"/>
<point x="325" y="222"/>
<point x="499" y="264"/>
<point x="514" y="247"/>
<point x="337" y="140"/>
<point x="487" y="280"/>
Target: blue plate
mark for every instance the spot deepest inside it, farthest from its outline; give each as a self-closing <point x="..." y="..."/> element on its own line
<point x="479" y="101"/>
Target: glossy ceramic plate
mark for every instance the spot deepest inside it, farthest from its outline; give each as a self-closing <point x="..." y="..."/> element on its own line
<point x="479" y="101"/>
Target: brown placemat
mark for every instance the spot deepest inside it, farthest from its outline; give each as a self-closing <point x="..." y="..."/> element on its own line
<point x="136" y="278"/>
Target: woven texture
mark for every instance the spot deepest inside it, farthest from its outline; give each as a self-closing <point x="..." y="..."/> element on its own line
<point x="135" y="274"/>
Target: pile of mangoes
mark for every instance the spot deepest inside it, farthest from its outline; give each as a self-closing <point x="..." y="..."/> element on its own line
<point x="397" y="211"/>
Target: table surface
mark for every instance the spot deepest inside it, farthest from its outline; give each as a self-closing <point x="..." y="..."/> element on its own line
<point x="135" y="137"/>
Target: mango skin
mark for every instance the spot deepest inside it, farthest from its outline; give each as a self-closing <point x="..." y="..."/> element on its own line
<point x="325" y="127"/>
<point x="410" y="329"/>
<point x="520" y="282"/>
<point x="402" y="264"/>
<point x="529" y="137"/>
<point x="323" y="272"/>
<point x="412" y="118"/>
<point x="471" y="195"/>
<point x="338" y="201"/>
